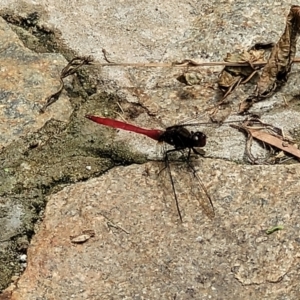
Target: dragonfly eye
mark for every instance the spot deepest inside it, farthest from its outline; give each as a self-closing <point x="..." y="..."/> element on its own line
<point x="199" y="139"/>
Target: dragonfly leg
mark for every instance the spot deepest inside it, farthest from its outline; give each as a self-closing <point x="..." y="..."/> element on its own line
<point x="167" y="166"/>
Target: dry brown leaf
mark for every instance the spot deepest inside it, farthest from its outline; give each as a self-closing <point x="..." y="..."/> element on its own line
<point x="278" y="67"/>
<point x="83" y="237"/>
<point x="274" y="141"/>
<point x="267" y="134"/>
<point x="232" y="76"/>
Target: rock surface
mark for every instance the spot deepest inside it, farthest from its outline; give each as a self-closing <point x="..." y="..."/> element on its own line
<point x="139" y="249"/>
<point x="26" y="77"/>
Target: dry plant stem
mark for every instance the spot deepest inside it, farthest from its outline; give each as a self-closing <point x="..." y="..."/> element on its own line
<point x="105" y="56"/>
<point x="235" y="85"/>
<point x="68" y="70"/>
<point x="251" y="158"/>
<point x="185" y="64"/>
<point x="110" y="223"/>
<point x="249" y="140"/>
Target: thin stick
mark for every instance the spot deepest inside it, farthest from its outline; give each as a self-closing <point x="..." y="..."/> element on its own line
<point x="112" y="224"/>
<point x="186" y="63"/>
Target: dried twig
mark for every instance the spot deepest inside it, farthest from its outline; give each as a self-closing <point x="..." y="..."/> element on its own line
<point x="187" y="63"/>
<point x="68" y="70"/>
<point x="105" y="56"/>
<point x="110" y="223"/>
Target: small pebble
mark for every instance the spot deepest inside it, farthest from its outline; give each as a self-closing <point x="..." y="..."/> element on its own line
<point x="23" y="257"/>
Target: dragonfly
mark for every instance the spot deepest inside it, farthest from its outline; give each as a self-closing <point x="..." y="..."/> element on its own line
<point x="181" y="139"/>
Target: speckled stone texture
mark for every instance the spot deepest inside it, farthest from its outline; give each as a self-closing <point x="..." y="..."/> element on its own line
<point x="140" y="250"/>
<point x="26" y="80"/>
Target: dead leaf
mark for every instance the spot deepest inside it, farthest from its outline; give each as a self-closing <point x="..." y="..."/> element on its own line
<point x="231" y="77"/>
<point x="278" y="67"/>
<point x="83" y="237"/>
<point x="267" y="134"/>
<point x="275" y="141"/>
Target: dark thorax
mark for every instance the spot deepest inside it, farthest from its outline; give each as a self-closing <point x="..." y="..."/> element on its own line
<point x="181" y="138"/>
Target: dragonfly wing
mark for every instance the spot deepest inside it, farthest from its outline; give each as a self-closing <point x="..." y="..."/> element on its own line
<point x="182" y="187"/>
<point x="199" y="192"/>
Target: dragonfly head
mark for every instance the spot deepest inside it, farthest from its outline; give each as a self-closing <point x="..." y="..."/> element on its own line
<point x="199" y="139"/>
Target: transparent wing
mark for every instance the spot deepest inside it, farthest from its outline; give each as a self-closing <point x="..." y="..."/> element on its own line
<point x="199" y="191"/>
<point x="183" y="188"/>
